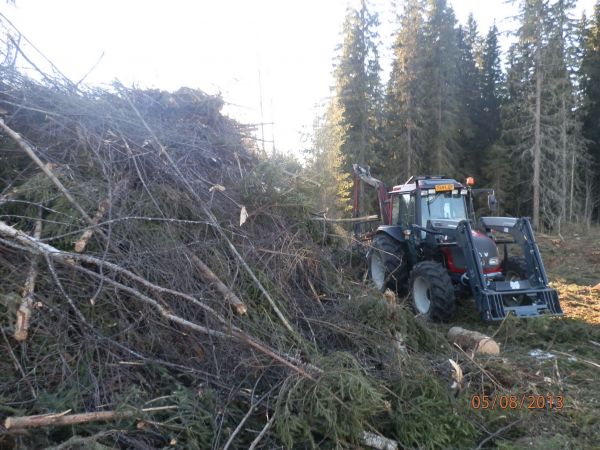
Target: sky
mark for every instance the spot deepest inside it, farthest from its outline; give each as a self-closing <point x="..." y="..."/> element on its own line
<point x="271" y="60"/>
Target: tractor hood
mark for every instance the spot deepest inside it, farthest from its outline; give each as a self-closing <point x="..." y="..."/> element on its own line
<point x="486" y="248"/>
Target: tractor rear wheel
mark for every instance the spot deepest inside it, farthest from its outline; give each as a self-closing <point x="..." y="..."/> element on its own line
<point x="432" y="291"/>
<point x="388" y="267"/>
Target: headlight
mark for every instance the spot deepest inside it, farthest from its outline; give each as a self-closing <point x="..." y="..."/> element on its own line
<point x="494" y="261"/>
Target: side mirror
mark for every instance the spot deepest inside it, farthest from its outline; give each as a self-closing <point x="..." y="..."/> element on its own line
<point x="492" y="202"/>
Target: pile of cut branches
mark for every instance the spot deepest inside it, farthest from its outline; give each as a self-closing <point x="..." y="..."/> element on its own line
<point x="161" y="285"/>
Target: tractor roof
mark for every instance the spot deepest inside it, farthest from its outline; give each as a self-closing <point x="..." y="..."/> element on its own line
<point x="426" y="182"/>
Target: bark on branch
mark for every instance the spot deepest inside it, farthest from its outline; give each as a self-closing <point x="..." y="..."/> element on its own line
<point x="23" y="422"/>
<point x="373" y="218"/>
<point x="24" y="311"/>
<point x="213" y="281"/>
<point x="82" y="242"/>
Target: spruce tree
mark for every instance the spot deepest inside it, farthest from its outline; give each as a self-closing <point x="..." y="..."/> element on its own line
<point x="405" y="124"/>
<point x="541" y="126"/>
<point x="471" y="125"/>
<point x="357" y="86"/>
<point x="492" y="80"/>
<point x="441" y="89"/>
<point x="590" y="99"/>
<point x="496" y="165"/>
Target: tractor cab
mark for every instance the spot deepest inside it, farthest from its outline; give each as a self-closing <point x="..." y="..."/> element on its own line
<point x="428" y="199"/>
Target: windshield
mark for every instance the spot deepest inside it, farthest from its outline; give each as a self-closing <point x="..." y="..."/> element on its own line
<point x="443" y="205"/>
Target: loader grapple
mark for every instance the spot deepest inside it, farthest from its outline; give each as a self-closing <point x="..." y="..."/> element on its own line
<point x="540" y="301"/>
<point x="522" y="298"/>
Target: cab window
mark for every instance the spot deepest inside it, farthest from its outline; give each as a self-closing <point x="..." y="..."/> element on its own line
<point x="406" y="209"/>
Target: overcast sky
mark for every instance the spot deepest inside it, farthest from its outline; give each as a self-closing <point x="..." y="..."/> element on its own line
<point x="234" y="47"/>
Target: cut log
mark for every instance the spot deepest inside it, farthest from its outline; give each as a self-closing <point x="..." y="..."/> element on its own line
<point x="24" y="311"/>
<point x="596" y="288"/>
<point x="473" y="340"/>
<point x="214" y="282"/>
<point x="44" y="420"/>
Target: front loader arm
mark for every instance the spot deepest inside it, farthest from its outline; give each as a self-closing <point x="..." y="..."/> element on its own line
<point x="490" y="294"/>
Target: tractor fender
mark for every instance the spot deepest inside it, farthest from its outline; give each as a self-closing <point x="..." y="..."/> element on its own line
<point x="394" y="231"/>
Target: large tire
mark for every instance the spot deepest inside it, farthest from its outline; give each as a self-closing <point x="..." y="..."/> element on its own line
<point x="432" y="292"/>
<point x="388" y="268"/>
<point x="515" y="268"/>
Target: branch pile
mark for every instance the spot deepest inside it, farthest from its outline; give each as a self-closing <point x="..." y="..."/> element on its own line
<point x="156" y="273"/>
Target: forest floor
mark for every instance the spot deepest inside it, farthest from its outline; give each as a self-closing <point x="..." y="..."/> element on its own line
<point x="547" y="356"/>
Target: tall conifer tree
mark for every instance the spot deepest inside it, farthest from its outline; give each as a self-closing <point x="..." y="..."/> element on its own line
<point x="405" y="123"/>
<point x="357" y="88"/>
<point x="442" y="88"/>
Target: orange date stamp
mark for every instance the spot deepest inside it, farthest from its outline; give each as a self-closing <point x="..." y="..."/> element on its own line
<point x="517" y="401"/>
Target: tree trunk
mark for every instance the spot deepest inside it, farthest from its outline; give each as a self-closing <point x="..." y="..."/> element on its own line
<point x="537" y="138"/>
<point x="565" y="170"/>
<point x="409" y="149"/>
<point x="439" y="152"/>
<point x="571" y="188"/>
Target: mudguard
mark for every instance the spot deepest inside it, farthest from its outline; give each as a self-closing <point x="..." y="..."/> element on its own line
<point x="394" y="231"/>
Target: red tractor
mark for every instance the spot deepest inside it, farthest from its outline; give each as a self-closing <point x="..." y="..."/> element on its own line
<point x="430" y="246"/>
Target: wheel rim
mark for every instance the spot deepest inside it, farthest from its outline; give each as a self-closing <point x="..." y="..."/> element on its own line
<point x="512" y="276"/>
<point x="421" y="295"/>
<point x="513" y="300"/>
<point x="377" y="270"/>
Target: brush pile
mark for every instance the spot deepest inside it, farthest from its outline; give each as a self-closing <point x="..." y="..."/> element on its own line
<point x="162" y="286"/>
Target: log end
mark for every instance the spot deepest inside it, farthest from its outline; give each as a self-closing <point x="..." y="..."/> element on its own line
<point x="20" y="335"/>
<point x="488" y="347"/>
<point x="80" y="245"/>
<point x="8" y="423"/>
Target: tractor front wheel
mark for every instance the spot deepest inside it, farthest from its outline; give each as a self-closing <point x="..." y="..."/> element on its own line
<point x="516" y="268"/>
<point x="432" y="292"/>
